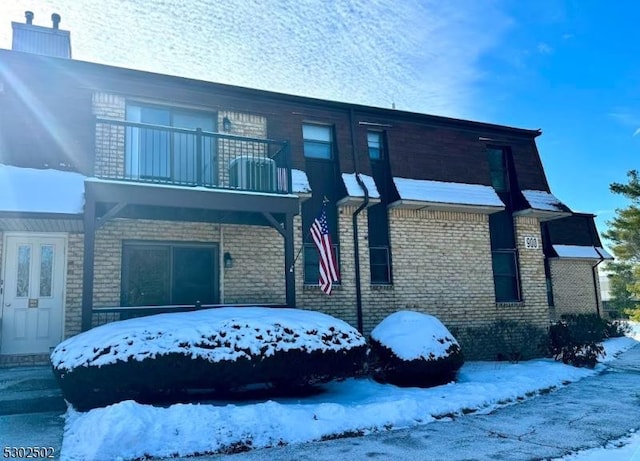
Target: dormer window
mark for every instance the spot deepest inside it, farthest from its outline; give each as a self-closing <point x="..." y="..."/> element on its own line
<point x="375" y="145"/>
<point x="318" y="141"/>
<point x="498" y="169"/>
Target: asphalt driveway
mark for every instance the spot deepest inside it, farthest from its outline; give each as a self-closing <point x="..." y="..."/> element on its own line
<point x="583" y="415"/>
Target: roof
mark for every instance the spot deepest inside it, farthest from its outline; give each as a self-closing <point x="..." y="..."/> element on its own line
<point x="543" y="201"/>
<point x="104" y="71"/>
<point x="574" y="236"/>
<point x="29" y="190"/>
<point x="354" y="189"/>
<point x="581" y="252"/>
<point x="423" y="193"/>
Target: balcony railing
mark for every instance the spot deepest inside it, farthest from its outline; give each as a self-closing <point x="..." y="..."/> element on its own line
<point x="132" y="151"/>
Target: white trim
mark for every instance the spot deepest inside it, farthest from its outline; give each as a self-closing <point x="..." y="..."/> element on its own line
<point x="542" y="215"/>
<point x="350" y="200"/>
<point x="463" y="208"/>
<point x="65" y="267"/>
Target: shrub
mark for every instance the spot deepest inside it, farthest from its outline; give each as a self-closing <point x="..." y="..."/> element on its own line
<point x="414" y="349"/>
<point x="504" y="340"/>
<point x="576" y="338"/>
<point x="167" y="358"/>
<point x="566" y="347"/>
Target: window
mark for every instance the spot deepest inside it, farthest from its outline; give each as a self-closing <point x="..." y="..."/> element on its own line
<point x="380" y="265"/>
<point x="317" y="141"/>
<point x="162" y="154"/>
<point x="547" y="276"/>
<point x="379" y="244"/>
<point x="157" y="274"/>
<point x="498" y="169"/>
<point x="505" y="275"/>
<point x="312" y="263"/>
<point x="504" y="257"/>
<point x="375" y="145"/>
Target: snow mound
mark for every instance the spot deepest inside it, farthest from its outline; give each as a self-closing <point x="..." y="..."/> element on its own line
<point x="215" y="335"/>
<point x="414" y="336"/>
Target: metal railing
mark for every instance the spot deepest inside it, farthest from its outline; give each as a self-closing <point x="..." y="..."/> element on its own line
<point x="140" y="152"/>
<point x="102" y="315"/>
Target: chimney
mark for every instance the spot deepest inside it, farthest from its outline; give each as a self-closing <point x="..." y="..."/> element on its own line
<point x="55" y="18"/>
<point x="46" y="41"/>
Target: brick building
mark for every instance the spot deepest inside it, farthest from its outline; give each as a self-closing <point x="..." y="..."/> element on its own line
<point x="126" y="193"/>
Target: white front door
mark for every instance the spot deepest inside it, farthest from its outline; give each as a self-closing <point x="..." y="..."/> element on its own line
<point x="32" y="293"/>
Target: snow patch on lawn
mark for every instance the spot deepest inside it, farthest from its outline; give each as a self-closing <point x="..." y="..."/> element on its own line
<point x="216" y="335"/>
<point x="413" y="335"/>
<point x="128" y="430"/>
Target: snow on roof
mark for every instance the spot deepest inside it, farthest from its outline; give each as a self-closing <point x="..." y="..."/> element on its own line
<point x="542" y="200"/>
<point x="198" y="334"/>
<point x="299" y="182"/>
<point x="237" y="191"/>
<point x="577" y="251"/>
<point x="354" y="189"/>
<point x="413" y="335"/>
<point x="447" y="192"/>
<point x="40" y="191"/>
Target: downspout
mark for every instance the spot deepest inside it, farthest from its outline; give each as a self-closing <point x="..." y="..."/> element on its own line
<point x="354" y="217"/>
<point x="221" y="263"/>
<point x="594" y="271"/>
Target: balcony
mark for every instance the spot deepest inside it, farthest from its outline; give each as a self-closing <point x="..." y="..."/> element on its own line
<point x="144" y="153"/>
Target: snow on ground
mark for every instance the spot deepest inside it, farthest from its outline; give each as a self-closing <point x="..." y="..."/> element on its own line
<point x="413" y="335"/>
<point x="623" y="449"/>
<point x="216" y="335"/>
<point x="129" y="430"/>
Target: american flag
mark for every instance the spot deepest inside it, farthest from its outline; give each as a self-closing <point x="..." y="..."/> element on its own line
<point x="328" y="265"/>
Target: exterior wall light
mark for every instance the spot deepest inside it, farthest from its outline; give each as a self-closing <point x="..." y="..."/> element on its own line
<point x="226" y="124"/>
<point x="228" y="260"/>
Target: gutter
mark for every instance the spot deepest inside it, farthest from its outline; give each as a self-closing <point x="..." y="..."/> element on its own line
<point x="354" y="223"/>
<point x="595" y="284"/>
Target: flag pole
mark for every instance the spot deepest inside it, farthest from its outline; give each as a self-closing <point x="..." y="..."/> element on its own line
<point x="325" y="200"/>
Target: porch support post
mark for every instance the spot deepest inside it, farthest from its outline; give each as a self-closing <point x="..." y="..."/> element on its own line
<point x="290" y="276"/>
<point x="87" y="261"/>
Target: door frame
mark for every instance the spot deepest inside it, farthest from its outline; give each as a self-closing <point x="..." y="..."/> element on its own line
<point x="3" y="269"/>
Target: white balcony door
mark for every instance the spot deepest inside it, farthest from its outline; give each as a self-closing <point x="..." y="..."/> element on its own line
<point x="32" y="293"/>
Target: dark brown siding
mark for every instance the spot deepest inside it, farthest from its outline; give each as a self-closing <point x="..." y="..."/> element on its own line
<point x="46" y="109"/>
<point x="45" y="117"/>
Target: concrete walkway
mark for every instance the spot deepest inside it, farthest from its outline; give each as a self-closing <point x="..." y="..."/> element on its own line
<point x="31" y="408"/>
<point x="29" y="390"/>
<point x="583" y="415"/>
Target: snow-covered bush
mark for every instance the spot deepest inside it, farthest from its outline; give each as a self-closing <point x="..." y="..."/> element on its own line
<point x="414" y="349"/>
<point x="160" y="357"/>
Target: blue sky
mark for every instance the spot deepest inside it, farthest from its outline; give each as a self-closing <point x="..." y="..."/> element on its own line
<point x="568" y="67"/>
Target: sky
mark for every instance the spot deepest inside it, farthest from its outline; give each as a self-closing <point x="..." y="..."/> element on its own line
<point x="568" y="67"/>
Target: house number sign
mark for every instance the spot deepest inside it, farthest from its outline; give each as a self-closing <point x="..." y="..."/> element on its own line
<point x="531" y="243"/>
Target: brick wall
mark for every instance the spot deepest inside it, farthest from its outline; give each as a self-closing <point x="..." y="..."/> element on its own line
<point x="257" y="274"/>
<point x="110" y="139"/>
<point x="573" y="291"/>
<point x="109" y="153"/>
<point x="73" y="295"/>
<point x="441" y="266"/>
<point x="535" y="308"/>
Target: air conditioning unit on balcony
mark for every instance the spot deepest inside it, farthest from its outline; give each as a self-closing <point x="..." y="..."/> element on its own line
<point x="253" y="173"/>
